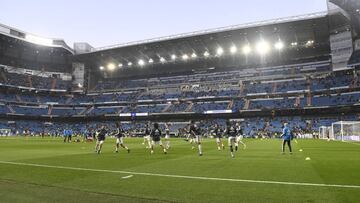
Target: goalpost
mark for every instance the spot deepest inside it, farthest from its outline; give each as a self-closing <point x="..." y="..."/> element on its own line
<point x="5" y="132"/>
<point x="325" y="132"/>
<point x="346" y="130"/>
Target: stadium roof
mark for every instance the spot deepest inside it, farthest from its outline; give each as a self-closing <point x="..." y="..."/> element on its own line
<point x="351" y="8"/>
<point x="197" y="50"/>
<point x="33" y="38"/>
<point x="218" y="30"/>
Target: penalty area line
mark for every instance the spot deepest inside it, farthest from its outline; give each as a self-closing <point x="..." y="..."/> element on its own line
<point x="131" y="173"/>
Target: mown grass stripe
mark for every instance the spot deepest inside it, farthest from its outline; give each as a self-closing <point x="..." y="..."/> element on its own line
<point x="183" y="176"/>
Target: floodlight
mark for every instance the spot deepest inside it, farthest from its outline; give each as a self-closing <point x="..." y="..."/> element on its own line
<point x="130" y="64"/>
<point x="162" y="60"/>
<point x="151" y="60"/>
<point x="294" y="44"/>
<point x="173" y="57"/>
<point x="111" y="66"/>
<point x="101" y="68"/>
<point x="233" y="49"/>
<point x="279" y="45"/>
<point x="219" y="51"/>
<point x="141" y="62"/>
<point x="185" y="57"/>
<point x="246" y="49"/>
<point x="120" y="65"/>
<point x="206" y="54"/>
<point x="309" y="42"/>
<point x="262" y="47"/>
<point x="193" y="55"/>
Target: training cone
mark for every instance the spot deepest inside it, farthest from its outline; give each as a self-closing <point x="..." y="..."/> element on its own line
<point x="307" y="159"/>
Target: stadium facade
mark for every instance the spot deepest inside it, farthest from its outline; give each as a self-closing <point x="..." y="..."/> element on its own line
<point x="303" y="69"/>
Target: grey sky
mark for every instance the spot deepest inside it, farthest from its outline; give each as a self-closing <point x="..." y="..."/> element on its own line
<point x="109" y="22"/>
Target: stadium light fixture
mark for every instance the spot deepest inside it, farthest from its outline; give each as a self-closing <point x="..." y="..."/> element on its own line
<point x="206" y="54"/>
<point x="279" y="45"/>
<point x="262" y="47"/>
<point x="120" y="65"/>
<point x="101" y="68"/>
<point x="294" y="44"/>
<point x="193" y="55"/>
<point x="141" y="62"/>
<point x="309" y="42"/>
<point x="130" y="64"/>
<point x="219" y="51"/>
<point x="185" y="57"/>
<point x="151" y="60"/>
<point x="233" y="49"/>
<point x="173" y="57"/>
<point x="162" y="60"/>
<point x="246" y="49"/>
<point x="111" y="66"/>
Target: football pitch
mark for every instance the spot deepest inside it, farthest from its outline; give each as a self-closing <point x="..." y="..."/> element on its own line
<point x="48" y="170"/>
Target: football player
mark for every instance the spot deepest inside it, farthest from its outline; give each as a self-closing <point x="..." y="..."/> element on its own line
<point x="120" y="134"/>
<point x="217" y="132"/>
<point x="231" y="133"/>
<point x="167" y="136"/>
<point x="100" y="139"/>
<point x="239" y="137"/>
<point x="195" y="132"/>
<point x="155" y="135"/>
<point x="147" y="139"/>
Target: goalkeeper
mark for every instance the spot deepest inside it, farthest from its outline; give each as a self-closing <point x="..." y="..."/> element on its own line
<point x="287" y="137"/>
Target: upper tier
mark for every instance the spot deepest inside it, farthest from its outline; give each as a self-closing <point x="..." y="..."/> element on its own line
<point x="17" y="50"/>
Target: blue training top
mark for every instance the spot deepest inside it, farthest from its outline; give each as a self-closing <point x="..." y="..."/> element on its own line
<point x="68" y="132"/>
<point x="286" y="134"/>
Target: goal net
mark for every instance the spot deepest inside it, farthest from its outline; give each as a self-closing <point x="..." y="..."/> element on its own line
<point x="345" y="130"/>
<point x="5" y="132"/>
<point x="325" y="132"/>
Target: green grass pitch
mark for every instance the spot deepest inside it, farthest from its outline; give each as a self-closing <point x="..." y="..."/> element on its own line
<point x="72" y="172"/>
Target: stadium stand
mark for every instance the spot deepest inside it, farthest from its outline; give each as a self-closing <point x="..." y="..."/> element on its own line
<point x="301" y="84"/>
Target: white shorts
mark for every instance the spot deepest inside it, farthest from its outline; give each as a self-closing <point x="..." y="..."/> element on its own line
<point x="218" y="139"/>
<point x="156" y="142"/>
<point x="198" y="138"/>
<point x="167" y="137"/>
<point x="239" y="138"/>
<point x="231" y="140"/>
<point x="101" y="142"/>
<point x="147" y="137"/>
<point x="120" y="140"/>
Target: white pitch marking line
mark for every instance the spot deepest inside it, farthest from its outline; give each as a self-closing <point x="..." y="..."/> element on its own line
<point x="126" y="177"/>
<point x="354" y="143"/>
<point x="351" y="142"/>
<point x="183" y="176"/>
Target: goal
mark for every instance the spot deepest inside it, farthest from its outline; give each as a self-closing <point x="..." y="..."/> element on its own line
<point x="5" y="132"/>
<point x="325" y="132"/>
<point x="345" y="130"/>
